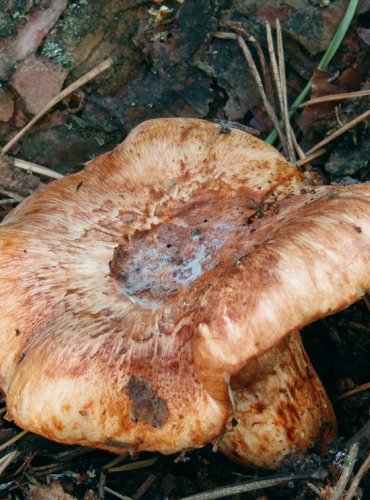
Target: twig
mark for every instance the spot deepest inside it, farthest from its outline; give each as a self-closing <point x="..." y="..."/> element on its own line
<point x="269" y="109"/>
<point x="356" y="481"/>
<point x="71" y="88"/>
<point x="340" y="131"/>
<point x="285" y="111"/>
<point x="335" y="97"/>
<point x="115" y="494"/>
<point x="7" y="460"/>
<point x="7" y="201"/>
<point x="227" y="491"/>
<point x="12" y="440"/>
<point x="356" y="390"/>
<point x="16" y="197"/>
<point x="141" y="464"/>
<point x="310" y="157"/>
<point x="36" y="169"/>
<point x="346" y="473"/>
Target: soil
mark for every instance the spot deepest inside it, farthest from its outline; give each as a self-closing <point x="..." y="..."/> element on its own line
<point x="167" y="62"/>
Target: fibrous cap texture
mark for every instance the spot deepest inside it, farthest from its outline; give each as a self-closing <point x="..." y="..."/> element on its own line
<point x="133" y="290"/>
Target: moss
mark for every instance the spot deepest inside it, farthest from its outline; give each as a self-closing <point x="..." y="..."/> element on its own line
<point x="55" y="52"/>
<point x="81" y="18"/>
<point x="7" y="27"/>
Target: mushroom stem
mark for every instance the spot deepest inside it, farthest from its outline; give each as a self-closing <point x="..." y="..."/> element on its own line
<point x="280" y="407"/>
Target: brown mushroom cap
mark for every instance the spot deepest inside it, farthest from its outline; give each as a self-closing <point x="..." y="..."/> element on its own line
<point x="132" y="291"/>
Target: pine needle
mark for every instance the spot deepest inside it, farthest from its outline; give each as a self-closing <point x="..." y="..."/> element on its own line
<point x="323" y="64"/>
<point x="68" y="90"/>
<point x="13" y="440"/>
<point x="36" y="169"/>
<point x="340" y="131"/>
<point x="228" y="491"/>
<point x="336" y="97"/>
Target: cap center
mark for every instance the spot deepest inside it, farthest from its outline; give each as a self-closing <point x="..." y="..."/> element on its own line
<point x="155" y="265"/>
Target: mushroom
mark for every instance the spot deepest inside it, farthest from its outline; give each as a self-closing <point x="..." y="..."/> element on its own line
<point x="152" y="301"/>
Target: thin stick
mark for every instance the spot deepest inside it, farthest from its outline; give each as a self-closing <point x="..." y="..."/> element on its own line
<point x="36" y="169"/>
<point x="340" y="131"/>
<point x="71" y="88"/>
<point x="310" y="157"/>
<point x="7" y="201"/>
<point x="355" y="483"/>
<point x="356" y="390"/>
<point x="280" y="47"/>
<point x="266" y="102"/>
<point x="346" y="473"/>
<point x="13" y="440"/>
<point x="7" y="460"/>
<point x="15" y="197"/>
<point x="134" y="465"/>
<point x="336" y="97"/>
<point x="116" y="494"/>
<point x="228" y="491"/>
